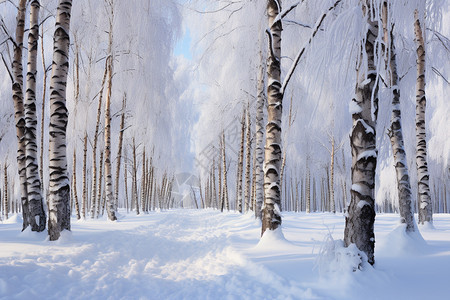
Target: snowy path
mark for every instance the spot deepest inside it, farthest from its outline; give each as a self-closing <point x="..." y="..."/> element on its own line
<point x="187" y="254"/>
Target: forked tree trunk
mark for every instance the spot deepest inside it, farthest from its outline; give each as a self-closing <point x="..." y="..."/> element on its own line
<point x="44" y="92"/>
<point x="259" y="145"/>
<point x="19" y="111"/>
<point x="35" y="200"/>
<point x="271" y="217"/>
<point x="59" y="189"/>
<point x="247" y="161"/>
<point x="395" y="132"/>
<point x="95" y="143"/>
<point x="423" y="177"/>
<point x="361" y="212"/>
<point x="240" y="165"/>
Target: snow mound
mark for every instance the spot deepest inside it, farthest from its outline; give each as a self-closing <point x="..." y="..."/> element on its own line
<point x="273" y="240"/>
<point x="334" y="257"/>
<point x="14" y="219"/>
<point x="400" y="243"/>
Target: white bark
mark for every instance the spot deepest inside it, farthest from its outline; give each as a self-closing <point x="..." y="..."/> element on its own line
<point x="59" y="188"/>
<point x="424" y="194"/>
<point x="19" y="111"/>
<point x="259" y="128"/>
<point x="107" y="159"/>
<point x="361" y="213"/>
<point x="247" y="161"/>
<point x="119" y="152"/>
<point x="240" y="165"/>
<point x="224" y="175"/>
<point x="35" y="200"/>
<point x="395" y="132"/>
<point x="271" y="217"/>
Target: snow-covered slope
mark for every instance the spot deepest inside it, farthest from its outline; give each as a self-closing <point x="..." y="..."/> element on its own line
<point x="189" y="254"/>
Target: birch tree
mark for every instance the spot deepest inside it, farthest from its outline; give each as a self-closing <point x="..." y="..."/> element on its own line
<point x="240" y="165"/>
<point x="271" y="217"/>
<point x="37" y="216"/>
<point x="395" y="131"/>
<point x="19" y="111"/>
<point x="424" y="194"/>
<point x="59" y="188"/>
<point x="247" y="161"/>
<point x="259" y="144"/>
<point x="107" y="159"/>
<point x="361" y="211"/>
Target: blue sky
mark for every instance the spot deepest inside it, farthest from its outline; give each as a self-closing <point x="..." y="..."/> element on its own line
<point x="183" y="45"/>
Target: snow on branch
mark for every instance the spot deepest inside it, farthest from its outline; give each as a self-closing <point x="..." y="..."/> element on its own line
<point x="300" y="53"/>
<point x="283" y="14"/>
<point x="272" y="52"/>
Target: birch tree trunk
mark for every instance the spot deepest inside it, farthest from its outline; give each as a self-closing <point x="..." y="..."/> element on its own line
<point x="271" y="217"/>
<point x="247" y="161"/>
<point x="361" y="212"/>
<point x="35" y="204"/>
<point x="95" y="143"/>
<point x="84" y="192"/>
<point x="59" y="189"/>
<point x="331" y="182"/>
<point x="395" y="132"/>
<point x="44" y="92"/>
<point x="107" y="161"/>
<point x="259" y="128"/>
<point x="119" y="151"/>
<point x="424" y="194"/>
<point x="99" y="186"/>
<point x="74" y="185"/>
<point x="19" y="112"/>
<point x="5" y="192"/>
<point x="224" y="170"/>
<point x="240" y="165"/>
<point x="134" y="179"/>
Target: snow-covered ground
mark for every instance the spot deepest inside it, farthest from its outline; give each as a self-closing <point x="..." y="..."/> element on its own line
<point x="204" y="254"/>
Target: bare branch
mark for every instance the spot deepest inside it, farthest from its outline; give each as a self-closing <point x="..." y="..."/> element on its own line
<point x="7" y="68"/>
<point x="300" y="53"/>
<point x="272" y="52"/>
<point x="440" y="74"/>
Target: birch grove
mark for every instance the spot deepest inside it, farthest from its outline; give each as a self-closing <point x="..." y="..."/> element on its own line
<point x="140" y="115"/>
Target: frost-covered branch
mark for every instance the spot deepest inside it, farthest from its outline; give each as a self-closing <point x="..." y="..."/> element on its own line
<point x="443" y="39"/>
<point x="300" y="53"/>
<point x="7" y="68"/>
<point x="283" y="14"/>
<point x="439" y="74"/>
<point x="272" y="52"/>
